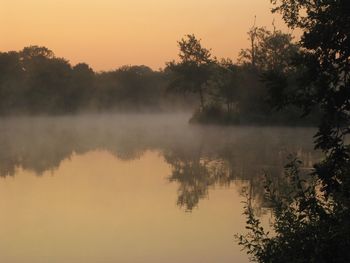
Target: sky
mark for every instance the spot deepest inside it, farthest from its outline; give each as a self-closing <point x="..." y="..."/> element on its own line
<point x="107" y="34"/>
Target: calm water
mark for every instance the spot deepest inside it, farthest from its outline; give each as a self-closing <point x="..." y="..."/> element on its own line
<point x="134" y="188"/>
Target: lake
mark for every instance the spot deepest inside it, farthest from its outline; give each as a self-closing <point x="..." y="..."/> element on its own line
<point x="135" y="188"/>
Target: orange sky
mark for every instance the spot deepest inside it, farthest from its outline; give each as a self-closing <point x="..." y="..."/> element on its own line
<point x="109" y="33"/>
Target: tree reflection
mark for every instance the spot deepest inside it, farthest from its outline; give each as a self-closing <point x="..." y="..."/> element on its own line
<point x="195" y="174"/>
<point x="200" y="158"/>
<point x="204" y="164"/>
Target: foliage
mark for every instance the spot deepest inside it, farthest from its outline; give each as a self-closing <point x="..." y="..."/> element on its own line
<point x="225" y="86"/>
<point x="325" y="81"/>
<point x="304" y="224"/>
<point x="312" y="223"/>
<point x="231" y="93"/>
<point x="35" y="81"/>
<point x="269" y="50"/>
<point x="192" y="73"/>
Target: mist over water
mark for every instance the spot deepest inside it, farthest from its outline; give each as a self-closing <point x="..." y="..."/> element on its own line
<point x="134" y="187"/>
<point x="128" y="136"/>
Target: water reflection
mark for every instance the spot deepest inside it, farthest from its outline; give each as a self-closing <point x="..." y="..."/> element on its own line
<point x="195" y="175"/>
<point x="200" y="157"/>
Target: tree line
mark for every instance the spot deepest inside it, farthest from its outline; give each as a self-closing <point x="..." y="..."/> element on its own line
<point x="35" y="81"/>
<point x="252" y="90"/>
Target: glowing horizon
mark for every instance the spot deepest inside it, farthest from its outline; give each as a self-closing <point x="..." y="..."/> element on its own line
<point x="107" y="34"/>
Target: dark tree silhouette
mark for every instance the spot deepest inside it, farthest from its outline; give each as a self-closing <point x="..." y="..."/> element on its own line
<point x="193" y="71"/>
<point x="312" y="220"/>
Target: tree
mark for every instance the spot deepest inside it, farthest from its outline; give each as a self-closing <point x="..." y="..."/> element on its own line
<point x="137" y="87"/>
<point x="325" y="81"/>
<point x="226" y="85"/>
<point x="82" y="87"/>
<point x="35" y="52"/>
<point x="270" y="50"/>
<point x="192" y="73"/>
<point x="47" y="80"/>
<point x="312" y="222"/>
<point x="11" y="78"/>
<point x="255" y="36"/>
<point x="130" y="88"/>
<point x="270" y="62"/>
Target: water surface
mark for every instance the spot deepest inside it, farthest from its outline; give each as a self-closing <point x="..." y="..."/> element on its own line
<point x="134" y="188"/>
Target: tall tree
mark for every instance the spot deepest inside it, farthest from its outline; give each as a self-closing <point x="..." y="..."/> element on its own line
<point x="192" y="73"/>
<point x="46" y="80"/>
<point x="312" y="223"/>
<point x="249" y="55"/>
<point x="270" y="50"/>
